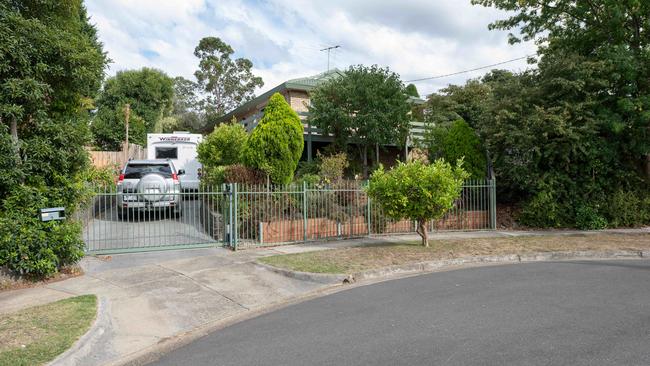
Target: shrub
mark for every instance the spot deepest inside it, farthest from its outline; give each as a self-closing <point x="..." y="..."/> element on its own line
<point x="543" y="210"/>
<point x="276" y="144"/>
<point x="213" y="177"/>
<point x="417" y="191"/>
<point x="587" y="218"/>
<point x="224" y="146"/>
<point x="458" y="141"/>
<point x="628" y="208"/>
<point x="238" y="173"/>
<point x="33" y="248"/>
<point x="332" y="167"/>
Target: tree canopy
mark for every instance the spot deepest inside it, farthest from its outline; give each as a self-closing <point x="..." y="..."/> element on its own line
<point x="367" y="106"/>
<point x="228" y="83"/>
<point x="51" y="67"/>
<point x="149" y="92"/>
<point x="569" y="138"/>
<point x="417" y="191"/>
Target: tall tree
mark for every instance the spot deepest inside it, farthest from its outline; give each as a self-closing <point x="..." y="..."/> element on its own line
<point x="150" y="94"/>
<point x="276" y="143"/>
<point x="367" y="107"/>
<point x="187" y="105"/>
<point x="228" y="83"/>
<point x="51" y="66"/>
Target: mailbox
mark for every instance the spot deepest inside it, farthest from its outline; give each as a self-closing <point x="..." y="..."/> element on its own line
<point x="53" y="213"/>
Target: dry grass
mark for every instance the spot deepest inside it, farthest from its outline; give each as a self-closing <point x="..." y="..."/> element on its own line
<point x="355" y="259"/>
<point x="37" y="335"/>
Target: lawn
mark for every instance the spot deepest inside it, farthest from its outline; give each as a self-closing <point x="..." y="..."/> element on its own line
<point x="37" y="335"/>
<point x="364" y="257"/>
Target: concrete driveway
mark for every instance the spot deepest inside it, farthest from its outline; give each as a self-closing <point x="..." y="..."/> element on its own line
<point x="557" y="313"/>
<point x="149" y="297"/>
<point x="106" y="231"/>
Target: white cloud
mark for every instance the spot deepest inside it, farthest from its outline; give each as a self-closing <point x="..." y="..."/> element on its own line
<point x="415" y="38"/>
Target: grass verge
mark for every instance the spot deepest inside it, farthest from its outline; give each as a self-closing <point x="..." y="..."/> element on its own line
<point x="37" y="335"/>
<point x="365" y="257"/>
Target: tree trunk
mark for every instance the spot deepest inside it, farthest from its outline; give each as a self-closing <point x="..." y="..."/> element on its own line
<point x="422" y="230"/>
<point x="365" y="161"/>
<point x="376" y="154"/>
<point x="15" y="143"/>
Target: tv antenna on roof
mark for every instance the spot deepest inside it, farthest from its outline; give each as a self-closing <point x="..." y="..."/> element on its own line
<point x="328" y="49"/>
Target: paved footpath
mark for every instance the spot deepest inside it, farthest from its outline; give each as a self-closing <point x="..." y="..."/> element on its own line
<point x="147" y="298"/>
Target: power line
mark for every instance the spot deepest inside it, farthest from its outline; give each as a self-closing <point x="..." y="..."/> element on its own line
<point x="466" y="71"/>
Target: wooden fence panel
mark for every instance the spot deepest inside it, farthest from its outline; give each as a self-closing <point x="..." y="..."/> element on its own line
<point x="102" y="159"/>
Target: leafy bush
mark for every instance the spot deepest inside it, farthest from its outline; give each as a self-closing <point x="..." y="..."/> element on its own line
<point x="224" y="146"/>
<point x="332" y="167"/>
<point x="238" y="173"/>
<point x="628" y="208"/>
<point x="417" y="191"/>
<point x="31" y="247"/>
<point x="458" y="141"/>
<point x="587" y="218"/>
<point x="276" y="144"/>
<point x="543" y="210"/>
<point x="213" y="177"/>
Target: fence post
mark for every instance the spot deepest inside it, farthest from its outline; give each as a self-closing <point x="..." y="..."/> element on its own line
<point x="235" y="232"/>
<point x="493" y="203"/>
<point x="304" y="210"/>
<point x="368" y="214"/>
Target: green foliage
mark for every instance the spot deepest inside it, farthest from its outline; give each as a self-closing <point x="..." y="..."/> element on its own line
<point x="224" y="146"/>
<point x="332" y="167"/>
<point x="579" y="122"/>
<point x="366" y="106"/>
<point x="587" y="218"/>
<point x="628" y="208"/>
<point x="188" y="106"/>
<point x="276" y="143"/>
<point x="51" y="66"/>
<point x="109" y="129"/>
<point x="31" y="247"/>
<point x="417" y="191"/>
<point x="242" y="174"/>
<point x="213" y="177"/>
<point x="454" y="142"/>
<point x="227" y="82"/>
<point x="412" y="91"/>
<point x="149" y="92"/>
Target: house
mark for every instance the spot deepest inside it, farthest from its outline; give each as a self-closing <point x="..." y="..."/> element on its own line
<point x="296" y="92"/>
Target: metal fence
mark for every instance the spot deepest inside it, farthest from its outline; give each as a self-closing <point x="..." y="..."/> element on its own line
<point x="244" y="216"/>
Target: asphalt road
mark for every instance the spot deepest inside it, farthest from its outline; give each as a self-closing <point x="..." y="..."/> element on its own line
<point x="558" y="313"/>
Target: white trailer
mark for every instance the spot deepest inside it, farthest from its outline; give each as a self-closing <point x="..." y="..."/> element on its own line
<point x="181" y="148"/>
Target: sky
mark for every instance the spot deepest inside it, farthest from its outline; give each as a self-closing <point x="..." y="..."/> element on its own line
<point x="283" y="38"/>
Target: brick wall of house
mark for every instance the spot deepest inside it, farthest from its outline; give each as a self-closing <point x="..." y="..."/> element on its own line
<point x="299" y="100"/>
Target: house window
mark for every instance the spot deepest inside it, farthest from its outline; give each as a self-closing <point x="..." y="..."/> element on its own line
<point x="166" y="153"/>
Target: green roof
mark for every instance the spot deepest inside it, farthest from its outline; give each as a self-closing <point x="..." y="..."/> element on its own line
<point x="302" y="84"/>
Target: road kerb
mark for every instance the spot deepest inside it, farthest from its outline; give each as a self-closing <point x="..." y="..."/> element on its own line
<point x="430" y="266"/>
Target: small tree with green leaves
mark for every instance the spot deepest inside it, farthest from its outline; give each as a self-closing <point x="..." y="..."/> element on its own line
<point x="417" y="191"/>
<point x="276" y="144"/>
<point x="224" y="146"/>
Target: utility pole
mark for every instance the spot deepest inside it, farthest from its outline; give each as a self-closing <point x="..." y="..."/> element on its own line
<point x="127" y="113"/>
<point x="328" y="49"/>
